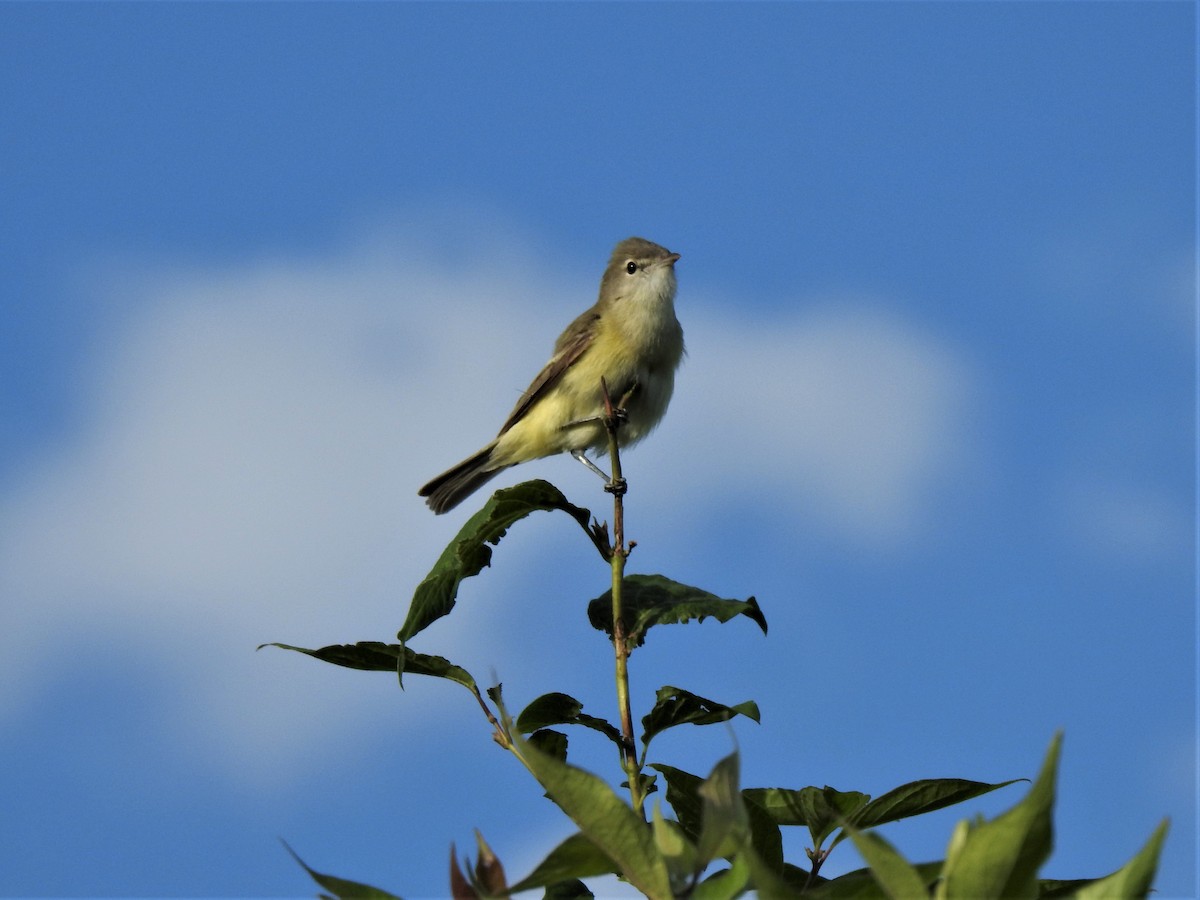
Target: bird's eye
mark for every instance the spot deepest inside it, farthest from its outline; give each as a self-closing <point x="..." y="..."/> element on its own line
<point x="631" y="267"/>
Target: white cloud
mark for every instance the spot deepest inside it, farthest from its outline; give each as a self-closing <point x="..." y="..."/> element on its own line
<point x="250" y="454"/>
<point x="255" y="437"/>
<point x="843" y="410"/>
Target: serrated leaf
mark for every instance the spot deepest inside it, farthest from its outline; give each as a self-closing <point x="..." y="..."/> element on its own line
<point x="649" y="600"/>
<point x="898" y="879"/>
<point x="917" y="798"/>
<point x="341" y="887"/>
<point x="1134" y="879"/>
<point x="573" y="859"/>
<point x="374" y="656"/>
<point x="468" y="552"/>
<point x="563" y="709"/>
<point x="675" y="706"/>
<point x="1001" y="858"/>
<point x="683" y="793"/>
<point x="603" y="817"/>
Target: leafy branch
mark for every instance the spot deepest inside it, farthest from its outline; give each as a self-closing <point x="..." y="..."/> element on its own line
<point x="719" y="840"/>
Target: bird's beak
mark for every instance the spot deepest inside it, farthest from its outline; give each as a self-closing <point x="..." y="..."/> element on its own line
<point x="671" y="260"/>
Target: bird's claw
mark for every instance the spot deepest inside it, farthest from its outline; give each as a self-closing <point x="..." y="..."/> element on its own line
<point x="617" y="487"/>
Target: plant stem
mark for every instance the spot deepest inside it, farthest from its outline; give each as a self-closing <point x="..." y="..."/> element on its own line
<point x="616" y="486"/>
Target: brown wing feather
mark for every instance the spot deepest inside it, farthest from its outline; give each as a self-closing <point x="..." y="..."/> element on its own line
<point x="570" y="346"/>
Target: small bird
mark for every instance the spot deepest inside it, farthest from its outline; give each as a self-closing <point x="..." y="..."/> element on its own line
<point x="630" y="338"/>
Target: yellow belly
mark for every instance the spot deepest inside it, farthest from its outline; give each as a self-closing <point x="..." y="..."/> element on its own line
<point x="566" y="417"/>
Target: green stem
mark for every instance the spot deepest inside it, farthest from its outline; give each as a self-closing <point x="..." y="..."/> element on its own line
<point x="629" y="757"/>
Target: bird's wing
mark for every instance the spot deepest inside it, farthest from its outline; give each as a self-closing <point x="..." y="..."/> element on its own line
<point x="572" y="344"/>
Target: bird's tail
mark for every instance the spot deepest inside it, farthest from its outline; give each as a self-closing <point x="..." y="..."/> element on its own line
<point x="457" y="483"/>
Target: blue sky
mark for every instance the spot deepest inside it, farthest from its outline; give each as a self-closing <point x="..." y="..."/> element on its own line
<point x="267" y="268"/>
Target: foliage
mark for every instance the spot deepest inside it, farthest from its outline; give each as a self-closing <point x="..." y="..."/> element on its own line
<point x="718" y="840"/>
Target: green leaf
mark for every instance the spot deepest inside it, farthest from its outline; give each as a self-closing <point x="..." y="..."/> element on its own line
<point x="765" y="836"/>
<point x="469" y="552"/>
<point x="1001" y="858"/>
<point x="768" y="882"/>
<point x="800" y="880"/>
<point x="574" y="889"/>
<point x="563" y="709"/>
<point x="821" y="809"/>
<point x="602" y="816"/>
<point x="675" y="706"/>
<point x="649" y="600"/>
<point x="683" y="863"/>
<point x="683" y="793"/>
<point x="1061" y="888"/>
<point x="672" y="843"/>
<point x="899" y="880"/>
<point x="573" y="859"/>
<point x="373" y="656"/>
<point x="725" y="885"/>
<point x="826" y="809"/>
<point x="1135" y="877"/>
<point x="553" y="743"/>
<point x="724" y="824"/>
<point x="916" y="798"/>
<point x="340" y="887"/>
<point x="861" y="884"/>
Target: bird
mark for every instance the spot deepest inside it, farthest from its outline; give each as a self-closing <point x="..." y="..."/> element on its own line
<point x="630" y="338"/>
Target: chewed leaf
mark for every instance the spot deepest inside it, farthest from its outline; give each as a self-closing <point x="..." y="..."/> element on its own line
<point x="675" y="706"/>
<point x="649" y="600"/>
<point x="469" y="552"/>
